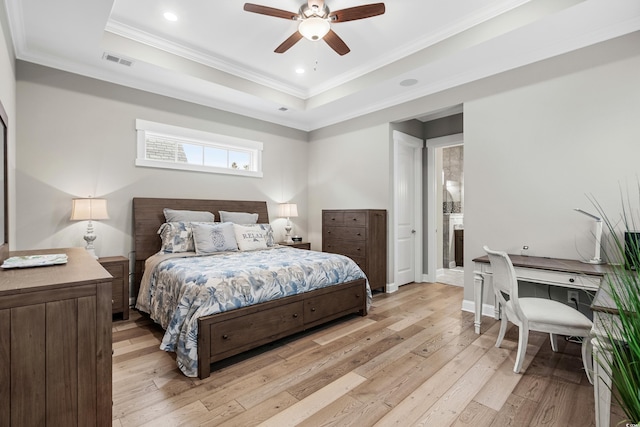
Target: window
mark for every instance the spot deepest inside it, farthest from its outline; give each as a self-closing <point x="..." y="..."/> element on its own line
<point x="173" y="147"/>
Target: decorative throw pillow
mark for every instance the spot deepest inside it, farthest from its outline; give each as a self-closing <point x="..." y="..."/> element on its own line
<point x="268" y="232"/>
<point x="238" y="217"/>
<point x="250" y="237"/>
<point x="174" y="215"/>
<point x="209" y="237"/>
<point x="176" y="237"/>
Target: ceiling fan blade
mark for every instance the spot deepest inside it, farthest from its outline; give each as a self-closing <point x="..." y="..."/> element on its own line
<point x="286" y="45"/>
<point x="336" y="43"/>
<point x="270" y="11"/>
<point x="358" y="12"/>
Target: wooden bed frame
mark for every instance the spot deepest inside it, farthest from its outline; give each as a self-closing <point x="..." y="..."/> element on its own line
<point x="226" y="334"/>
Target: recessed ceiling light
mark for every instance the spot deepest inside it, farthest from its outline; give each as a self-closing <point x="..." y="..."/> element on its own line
<point x="408" y="82"/>
<point x="300" y="70"/>
<point x="170" y="16"/>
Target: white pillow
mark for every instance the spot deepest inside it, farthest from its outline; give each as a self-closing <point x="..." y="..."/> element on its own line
<point x="174" y="215"/>
<point x="209" y="237"/>
<point x="238" y="217"/>
<point x="250" y="237"/>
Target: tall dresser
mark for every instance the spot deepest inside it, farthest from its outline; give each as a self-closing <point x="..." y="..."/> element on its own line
<point x="55" y="343"/>
<point x="362" y="236"/>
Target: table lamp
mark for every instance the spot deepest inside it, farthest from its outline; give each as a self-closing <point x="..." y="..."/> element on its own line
<point x="596" y="259"/>
<point x="288" y="210"/>
<point x="89" y="209"/>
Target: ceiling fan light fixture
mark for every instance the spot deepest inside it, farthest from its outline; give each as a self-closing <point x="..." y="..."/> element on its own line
<point x="314" y="28"/>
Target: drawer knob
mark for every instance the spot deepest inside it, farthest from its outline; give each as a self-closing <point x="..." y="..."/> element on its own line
<point x="295" y="315"/>
<point x="313" y="309"/>
<point x="355" y="219"/>
<point x="571" y="280"/>
<point x="357" y="295"/>
<point x="225" y="337"/>
<point x="358" y="234"/>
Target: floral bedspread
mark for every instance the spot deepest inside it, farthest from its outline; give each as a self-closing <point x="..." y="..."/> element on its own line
<point x="177" y="289"/>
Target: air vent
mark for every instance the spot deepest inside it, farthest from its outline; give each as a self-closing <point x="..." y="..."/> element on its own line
<point x="283" y="109"/>
<point x="112" y="58"/>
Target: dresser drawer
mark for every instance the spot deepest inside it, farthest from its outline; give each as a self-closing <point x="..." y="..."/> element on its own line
<point x="333" y="218"/>
<point x="344" y="233"/>
<point x="355" y="218"/>
<point x="235" y="333"/>
<point x="350" y="299"/>
<point x="350" y="249"/>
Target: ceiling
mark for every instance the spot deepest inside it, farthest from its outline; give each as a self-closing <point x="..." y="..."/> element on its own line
<point x="218" y="55"/>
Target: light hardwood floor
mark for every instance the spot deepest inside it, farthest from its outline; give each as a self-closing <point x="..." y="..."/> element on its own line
<point x="414" y="360"/>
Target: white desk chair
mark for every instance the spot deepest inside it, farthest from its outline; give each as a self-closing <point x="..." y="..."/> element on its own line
<point x="536" y="314"/>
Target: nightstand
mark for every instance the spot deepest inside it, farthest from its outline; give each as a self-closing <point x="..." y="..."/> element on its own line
<point x="118" y="267"/>
<point x="298" y="245"/>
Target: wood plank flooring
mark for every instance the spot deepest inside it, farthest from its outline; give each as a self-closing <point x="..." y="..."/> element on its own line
<point x="413" y="361"/>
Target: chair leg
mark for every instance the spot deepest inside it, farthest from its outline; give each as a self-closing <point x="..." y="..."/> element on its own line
<point x="587" y="357"/>
<point x="503" y="329"/>
<point x="522" y="348"/>
<point x="554" y="342"/>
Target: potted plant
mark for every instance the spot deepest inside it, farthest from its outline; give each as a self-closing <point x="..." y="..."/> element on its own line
<point x="624" y="282"/>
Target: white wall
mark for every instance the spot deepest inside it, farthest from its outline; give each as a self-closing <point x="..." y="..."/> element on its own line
<point x="348" y="171"/>
<point x="534" y="153"/>
<point x="8" y="98"/>
<point x="76" y="137"/>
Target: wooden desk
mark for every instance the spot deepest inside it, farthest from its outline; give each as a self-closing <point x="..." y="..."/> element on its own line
<point x="566" y="273"/>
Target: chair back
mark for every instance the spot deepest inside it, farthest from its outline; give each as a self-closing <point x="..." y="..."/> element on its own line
<point x="505" y="280"/>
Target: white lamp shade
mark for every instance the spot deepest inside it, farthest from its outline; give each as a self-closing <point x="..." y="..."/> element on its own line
<point x="314" y="28"/>
<point x="288" y="210"/>
<point x="88" y="209"/>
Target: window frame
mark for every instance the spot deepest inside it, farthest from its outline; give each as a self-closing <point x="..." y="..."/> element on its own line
<point x="178" y="134"/>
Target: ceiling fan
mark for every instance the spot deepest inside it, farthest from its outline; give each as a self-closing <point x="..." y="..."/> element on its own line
<point x="315" y="21"/>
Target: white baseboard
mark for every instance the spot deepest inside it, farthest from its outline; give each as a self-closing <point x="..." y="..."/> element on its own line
<point x="391" y="288"/>
<point x="470" y="306"/>
<point x="439" y="272"/>
<point x="452" y="264"/>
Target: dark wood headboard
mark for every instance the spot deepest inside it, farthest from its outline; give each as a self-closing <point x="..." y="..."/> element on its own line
<point x="148" y="216"/>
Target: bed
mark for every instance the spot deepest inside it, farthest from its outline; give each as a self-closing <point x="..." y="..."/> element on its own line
<point x="218" y="330"/>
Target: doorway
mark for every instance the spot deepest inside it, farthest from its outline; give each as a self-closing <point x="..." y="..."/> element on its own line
<point x="445" y="219"/>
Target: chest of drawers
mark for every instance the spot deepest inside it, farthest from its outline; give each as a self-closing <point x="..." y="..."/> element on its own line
<point x="55" y="343"/>
<point x="360" y="234"/>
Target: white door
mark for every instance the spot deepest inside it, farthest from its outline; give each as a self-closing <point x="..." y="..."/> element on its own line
<point x="407" y="208"/>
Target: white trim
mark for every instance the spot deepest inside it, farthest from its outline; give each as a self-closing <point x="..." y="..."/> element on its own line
<point x="391" y="288"/>
<point x="433" y="234"/>
<point x="417" y="144"/>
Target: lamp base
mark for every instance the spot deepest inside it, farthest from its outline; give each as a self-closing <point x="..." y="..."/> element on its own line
<point x="287" y="236"/>
<point x="89" y="238"/>
<point x="92" y="252"/>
